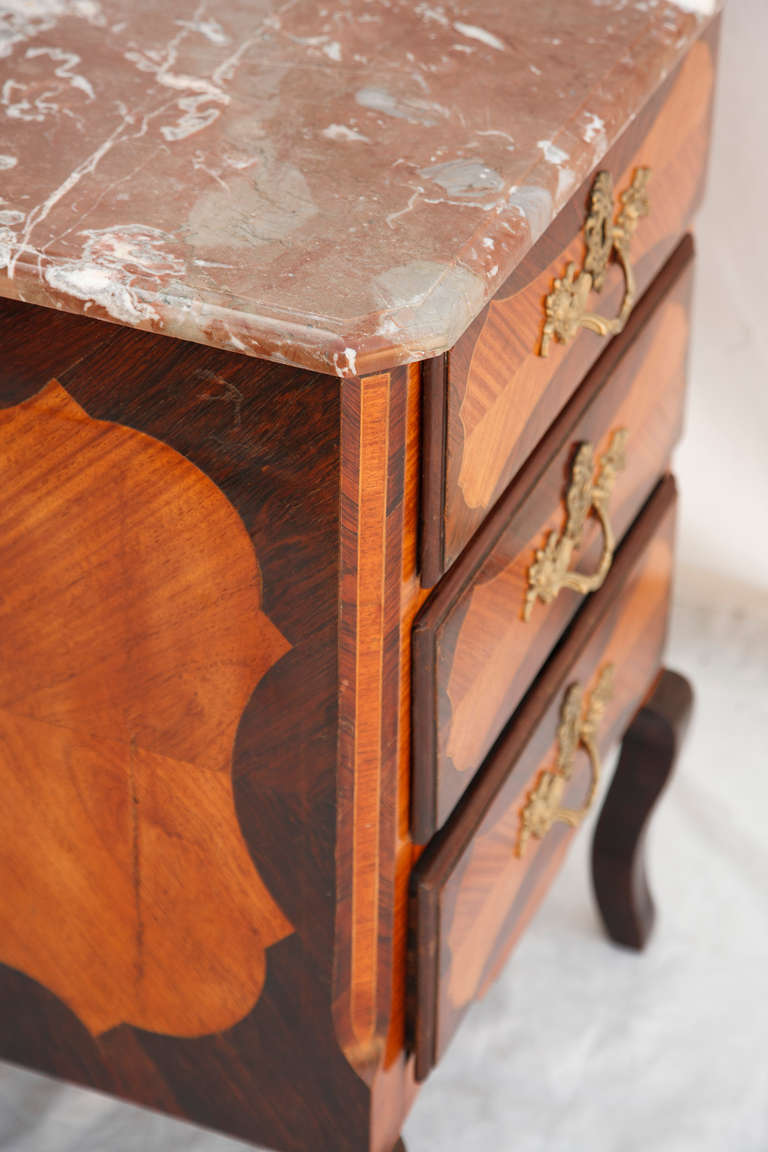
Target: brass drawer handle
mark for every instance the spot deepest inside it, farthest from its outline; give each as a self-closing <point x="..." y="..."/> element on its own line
<point x="550" y="570"/>
<point x="566" y="305"/>
<point x="578" y="727"/>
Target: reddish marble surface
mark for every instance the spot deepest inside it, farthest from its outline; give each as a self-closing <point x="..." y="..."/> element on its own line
<point x="340" y="186"/>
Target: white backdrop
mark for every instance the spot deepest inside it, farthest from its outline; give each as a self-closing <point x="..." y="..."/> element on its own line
<point x="581" y="1047"/>
<point x="723" y="463"/>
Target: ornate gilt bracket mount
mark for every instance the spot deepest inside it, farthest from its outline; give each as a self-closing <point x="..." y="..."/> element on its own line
<point x="549" y="572"/>
<point x="566" y="309"/>
<point x="578" y="727"/>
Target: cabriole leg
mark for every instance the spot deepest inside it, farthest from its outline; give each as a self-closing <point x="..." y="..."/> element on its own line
<point x="648" y="753"/>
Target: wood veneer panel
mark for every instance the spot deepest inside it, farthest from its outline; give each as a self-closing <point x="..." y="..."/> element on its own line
<point x="489" y="401"/>
<point x="169" y="643"/>
<point x="474" y="653"/>
<point x="126" y="669"/>
<point x="472" y="894"/>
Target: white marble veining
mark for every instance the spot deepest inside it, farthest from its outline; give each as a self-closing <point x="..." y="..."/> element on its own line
<point x="339" y="186"/>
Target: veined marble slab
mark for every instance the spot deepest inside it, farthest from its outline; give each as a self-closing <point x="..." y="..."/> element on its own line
<point x="338" y="185"/>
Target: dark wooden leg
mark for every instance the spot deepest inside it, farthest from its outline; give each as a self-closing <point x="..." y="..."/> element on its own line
<point x="648" y="754"/>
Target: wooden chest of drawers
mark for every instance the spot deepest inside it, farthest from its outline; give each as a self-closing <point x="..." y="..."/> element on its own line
<point x="319" y="619"/>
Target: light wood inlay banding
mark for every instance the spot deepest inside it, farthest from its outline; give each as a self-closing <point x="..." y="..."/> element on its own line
<point x="373" y="423"/>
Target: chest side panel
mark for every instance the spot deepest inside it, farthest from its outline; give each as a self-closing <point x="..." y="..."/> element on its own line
<point x="168" y="726"/>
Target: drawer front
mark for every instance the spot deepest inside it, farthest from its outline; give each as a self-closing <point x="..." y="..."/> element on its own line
<point x="489" y="401"/>
<point x="480" y="880"/>
<point x="482" y="636"/>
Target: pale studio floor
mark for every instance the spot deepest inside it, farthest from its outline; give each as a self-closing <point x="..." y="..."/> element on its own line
<point x="582" y="1047"/>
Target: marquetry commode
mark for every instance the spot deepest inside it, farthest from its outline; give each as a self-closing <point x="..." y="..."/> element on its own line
<point x="332" y="568"/>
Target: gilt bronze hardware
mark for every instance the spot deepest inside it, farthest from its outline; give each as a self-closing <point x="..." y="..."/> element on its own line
<point x="578" y="727"/>
<point x="550" y="570"/>
<point x="566" y="305"/>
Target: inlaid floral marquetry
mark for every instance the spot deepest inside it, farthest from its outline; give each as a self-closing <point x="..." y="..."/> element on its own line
<point x="131" y="638"/>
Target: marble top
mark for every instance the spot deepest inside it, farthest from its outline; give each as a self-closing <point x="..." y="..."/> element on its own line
<point x="337" y="184"/>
